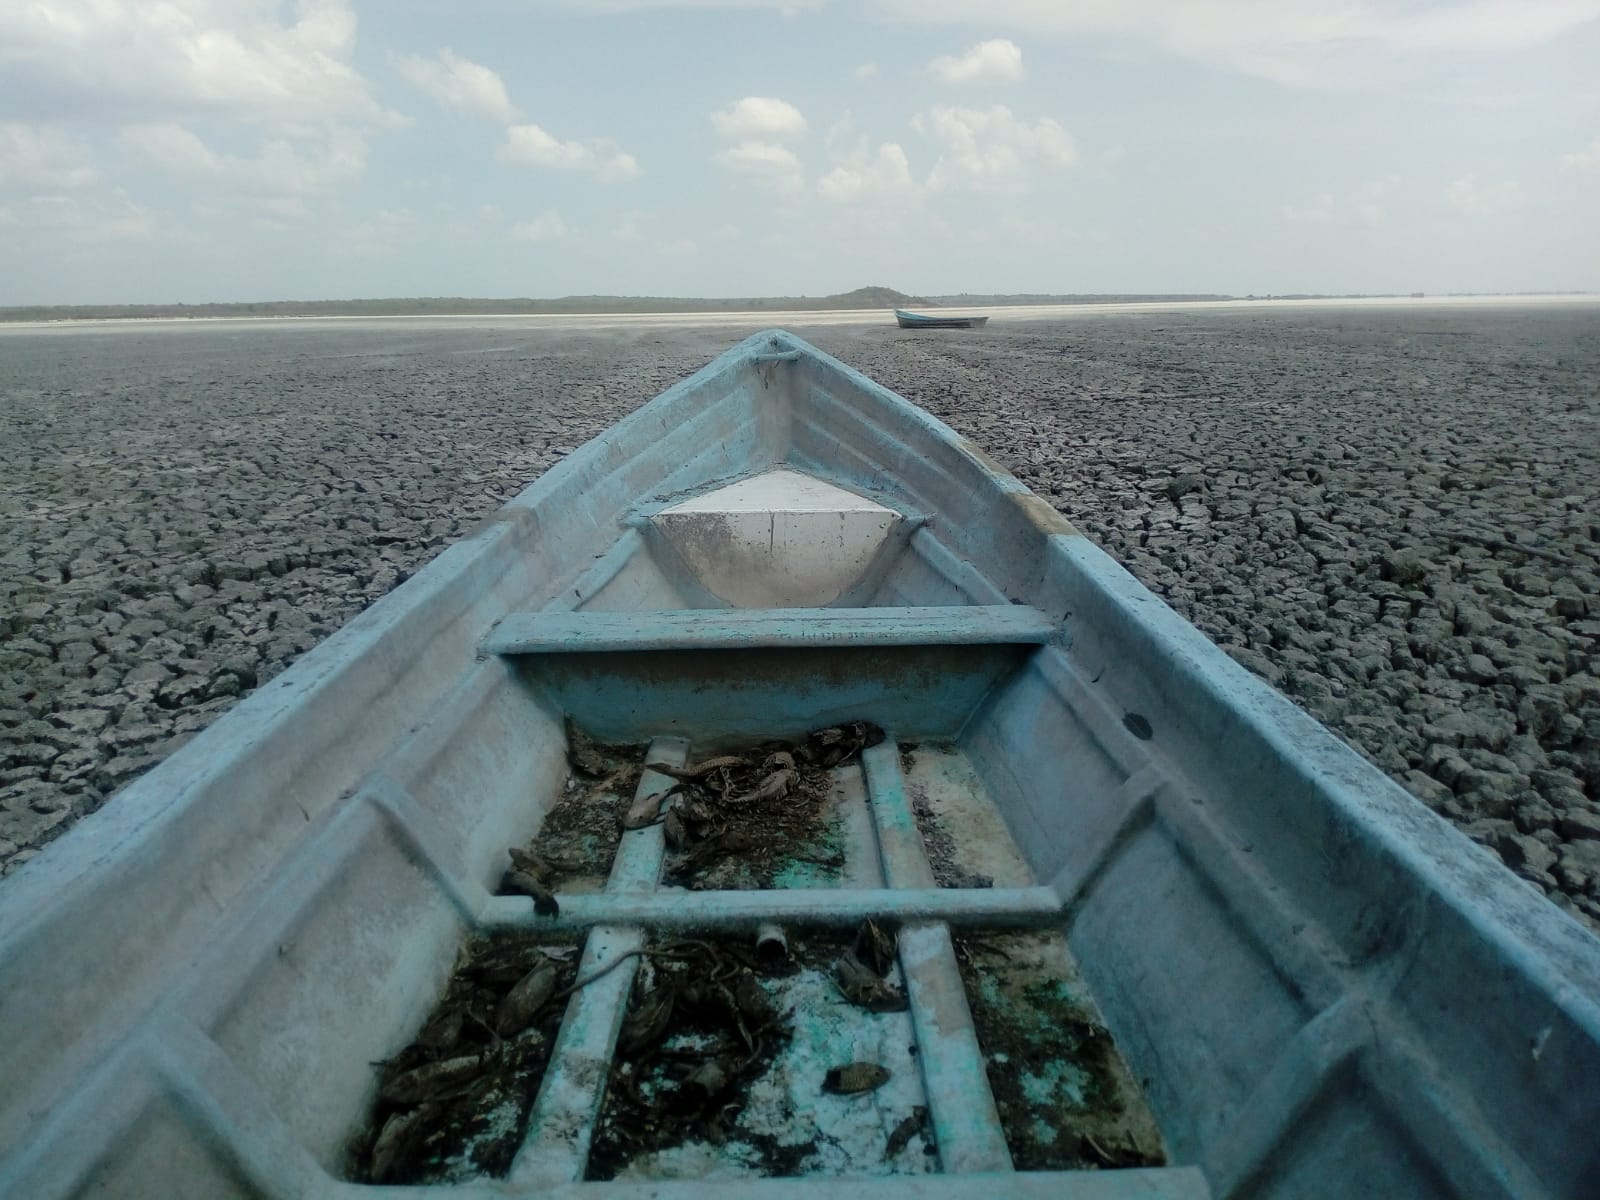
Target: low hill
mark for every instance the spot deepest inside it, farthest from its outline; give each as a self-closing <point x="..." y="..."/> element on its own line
<point x="867" y="297"/>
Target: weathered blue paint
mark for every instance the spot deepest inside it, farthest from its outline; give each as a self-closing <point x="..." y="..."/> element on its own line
<point x="725" y="696"/>
<point x="838" y="908"/>
<point x="911" y="320"/>
<point x="759" y="629"/>
<point x="965" y="1122"/>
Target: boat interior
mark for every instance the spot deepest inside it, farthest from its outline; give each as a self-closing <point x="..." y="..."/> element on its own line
<point x="1159" y="934"/>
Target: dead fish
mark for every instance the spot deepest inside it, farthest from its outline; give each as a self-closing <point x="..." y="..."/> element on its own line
<point x="779" y="760"/>
<point x="431" y="1081"/>
<point x="709" y="1079"/>
<point x="690" y="774"/>
<point x="1138" y="726"/>
<point x="398" y="1143"/>
<point x="531" y="865"/>
<point x="854" y="1078"/>
<point x="830" y="747"/>
<point x="443" y="1032"/>
<point x="752" y="1001"/>
<point x="774" y="787"/>
<point x="674" y="830"/>
<point x="874" y="948"/>
<point x="647" y="1023"/>
<point x="697" y="812"/>
<point x="520" y="883"/>
<point x="583" y="754"/>
<point x="644" y="811"/>
<point x="523" y="1002"/>
<point x="862" y="988"/>
<point x="901" y="1137"/>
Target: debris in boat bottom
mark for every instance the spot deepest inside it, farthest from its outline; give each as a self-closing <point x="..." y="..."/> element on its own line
<point x="944" y="853"/>
<point x="900" y="1137"/>
<point x="854" y="1078"/>
<point x="577" y="840"/>
<point x="519" y="883"/>
<point x="584" y="754"/>
<point x="754" y="817"/>
<point x="864" y="987"/>
<point x="1066" y="1099"/>
<point x="454" y="1103"/>
<point x="721" y="1069"/>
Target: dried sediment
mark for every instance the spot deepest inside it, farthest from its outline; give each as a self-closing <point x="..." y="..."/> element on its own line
<point x="1388" y="514"/>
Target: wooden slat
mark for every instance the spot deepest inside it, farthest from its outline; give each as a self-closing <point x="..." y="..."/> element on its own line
<point x="748" y="629"/>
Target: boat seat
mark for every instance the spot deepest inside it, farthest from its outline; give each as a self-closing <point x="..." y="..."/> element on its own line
<point x="766" y="628"/>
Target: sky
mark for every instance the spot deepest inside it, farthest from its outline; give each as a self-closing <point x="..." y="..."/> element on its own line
<point x="165" y="151"/>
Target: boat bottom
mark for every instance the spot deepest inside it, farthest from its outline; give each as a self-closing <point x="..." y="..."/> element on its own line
<point x="832" y="1031"/>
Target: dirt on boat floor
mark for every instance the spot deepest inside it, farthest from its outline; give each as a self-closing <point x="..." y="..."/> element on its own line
<point x="1066" y="1098"/>
<point x="1387" y="512"/>
<point x="454" y="1103"/>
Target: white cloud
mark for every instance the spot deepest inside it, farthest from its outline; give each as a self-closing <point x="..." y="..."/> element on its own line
<point x="678" y="248"/>
<point x="1325" y="208"/>
<point x="532" y="146"/>
<point x="866" y="174"/>
<point x="990" y="149"/>
<point x="42" y="159"/>
<point x="867" y="70"/>
<point x="546" y="227"/>
<point x="1480" y="200"/>
<point x="123" y="58"/>
<point x="87" y="221"/>
<point x="1296" y="42"/>
<point x="459" y="83"/>
<point x="766" y="163"/>
<point x="280" y="168"/>
<point x="628" y="231"/>
<point x="1586" y="159"/>
<point x="1321" y="210"/>
<point x="995" y="61"/>
<point x="759" y="117"/>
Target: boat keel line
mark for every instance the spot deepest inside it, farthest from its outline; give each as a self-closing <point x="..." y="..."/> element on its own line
<point x="561" y="1126"/>
<point x="965" y="1121"/>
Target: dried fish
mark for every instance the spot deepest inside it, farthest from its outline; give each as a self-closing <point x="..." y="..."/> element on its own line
<point x="674" y="830"/>
<point x="752" y="1001"/>
<point x="875" y="948"/>
<point x="441" y="1033"/>
<point x="583" y="754"/>
<point x="691" y="774"/>
<point x="531" y="865"/>
<point x="775" y="786"/>
<point x="523" y="1002"/>
<point x="901" y="1137"/>
<point x="647" y="1024"/>
<point x="520" y="883"/>
<point x="854" y="1078"/>
<point x="709" y="1079"/>
<point x="644" y="811"/>
<point x="859" y="985"/>
<point x="832" y="746"/>
<point x="399" y="1142"/>
<point x="432" y="1081"/>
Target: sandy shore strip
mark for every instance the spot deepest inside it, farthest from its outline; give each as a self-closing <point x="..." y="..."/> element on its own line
<point x="1391" y="511"/>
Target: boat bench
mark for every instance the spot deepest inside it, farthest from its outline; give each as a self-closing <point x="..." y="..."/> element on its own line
<point x="769" y="628"/>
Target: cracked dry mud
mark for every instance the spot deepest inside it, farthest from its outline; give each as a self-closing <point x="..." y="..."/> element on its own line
<point x="1391" y="515"/>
